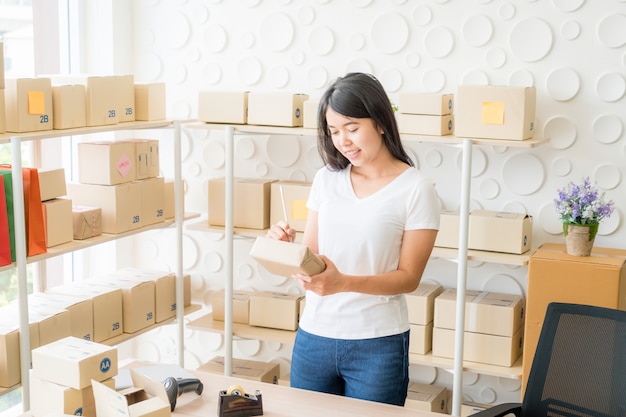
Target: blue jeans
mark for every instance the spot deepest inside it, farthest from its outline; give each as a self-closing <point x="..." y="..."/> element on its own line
<point x="369" y="369"/>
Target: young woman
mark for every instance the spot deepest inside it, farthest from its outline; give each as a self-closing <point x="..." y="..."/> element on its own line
<point x="373" y="219"/>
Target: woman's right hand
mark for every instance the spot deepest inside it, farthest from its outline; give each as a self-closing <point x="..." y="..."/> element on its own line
<point x="282" y="231"/>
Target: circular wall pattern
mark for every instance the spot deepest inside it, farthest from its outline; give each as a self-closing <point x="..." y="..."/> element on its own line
<point x="434" y="80"/>
<point x="561" y="131"/>
<point x="179" y="30"/>
<point x="212" y="73"/>
<point x="561" y="167"/>
<point x="359" y="65"/>
<point x="214" y="155"/>
<point x="439" y="42"/>
<point x="215" y="38"/>
<point x="249" y="70"/>
<point x="521" y="78"/>
<point x="611" y="86"/>
<point x="607" y="128"/>
<point x="279" y="76"/>
<point x="475" y="77"/>
<point x="317" y="76"/>
<point x="321" y="40"/>
<point x="531" y="39"/>
<point x="563" y="84"/>
<point x="568" y="5"/>
<point x="507" y="11"/>
<point x="283" y="150"/>
<point x="495" y="58"/>
<point x="607" y="176"/>
<point x="532" y="179"/>
<point x="477" y="30"/>
<point x="389" y="33"/>
<point x="412" y="60"/>
<point x="357" y="41"/>
<point x="489" y="188"/>
<point x="212" y="261"/>
<point x="570" y="30"/>
<point x="391" y="79"/>
<point x="422" y="15"/>
<point x="548" y="219"/>
<point x="306" y="15"/>
<point x="276" y="32"/>
<point x="611" y="31"/>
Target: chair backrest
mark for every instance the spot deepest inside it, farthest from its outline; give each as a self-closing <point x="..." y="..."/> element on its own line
<point x="579" y="367"/>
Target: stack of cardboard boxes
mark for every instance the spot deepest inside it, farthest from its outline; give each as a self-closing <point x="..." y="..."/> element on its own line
<point x="426" y="113"/>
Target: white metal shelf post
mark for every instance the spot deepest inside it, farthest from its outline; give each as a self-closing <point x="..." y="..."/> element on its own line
<point x="461" y="279"/>
<point x="178" y="219"/>
<point x="229" y="139"/>
<point x="20" y="262"/>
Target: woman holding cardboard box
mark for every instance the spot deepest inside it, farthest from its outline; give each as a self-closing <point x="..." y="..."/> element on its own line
<point x="373" y="219"/>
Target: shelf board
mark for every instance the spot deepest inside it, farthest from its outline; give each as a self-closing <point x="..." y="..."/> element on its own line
<point x="75" y="245"/>
<point x="245" y="331"/>
<point x="56" y="133"/>
<point x="512" y="372"/>
<point x="447" y="139"/>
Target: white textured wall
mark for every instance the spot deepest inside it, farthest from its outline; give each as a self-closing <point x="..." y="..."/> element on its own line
<point x="573" y="51"/>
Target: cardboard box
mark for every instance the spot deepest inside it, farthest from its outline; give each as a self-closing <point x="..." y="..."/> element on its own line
<point x="3" y="112"/>
<point x="146" y="398"/>
<point x="164" y="289"/>
<point x="275" y="310"/>
<point x="421" y="303"/>
<point x="106" y="162"/>
<point x="223" y="107"/>
<point x="10" y="365"/>
<point x="169" y="198"/>
<point x="2" y="66"/>
<point x="241" y="368"/>
<point x="52" y="183"/>
<point x="499" y="231"/>
<point x="425" y="124"/>
<point x="74" y="362"/>
<point x="421" y="338"/>
<point x="448" y="235"/>
<point x="555" y="276"/>
<point x="150" y="101"/>
<point x="147" y="163"/>
<point x="479" y="347"/>
<point x="310" y="110"/>
<point x="275" y="109"/>
<point x="251" y="202"/>
<point x="435" y="104"/>
<point x="86" y="222"/>
<point x="120" y="204"/>
<point x="52" y="398"/>
<point x="427" y="397"/>
<point x="101" y="102"/>
<point x="152" y="203"/>
<point x="28" y="103"/>
<point x="58" y="221"/>
<point x="79" y="308"/>
<point x="485" y="312"/>
<point x="495" y="112"/>
<point x="138" y="300"/>
<point x="107" y="307"/>
<point x="68" y="102"/>
<point x="241" y="305"/>
<point x="53" y="323"/>
<point x="290" y="198"/>
<point x="125" y="92"/>
<point x="286" y="258"/>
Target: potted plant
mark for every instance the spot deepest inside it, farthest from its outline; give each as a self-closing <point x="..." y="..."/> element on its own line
<point x="581" y="208"/>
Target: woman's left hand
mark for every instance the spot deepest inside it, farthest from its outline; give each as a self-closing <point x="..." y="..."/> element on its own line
<point x="330" y="281"/>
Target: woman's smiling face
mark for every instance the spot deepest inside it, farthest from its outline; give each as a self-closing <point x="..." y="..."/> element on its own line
<point x="359" y="140"/>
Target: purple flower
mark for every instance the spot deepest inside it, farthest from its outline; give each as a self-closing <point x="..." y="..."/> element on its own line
<point x="582" y="204"/>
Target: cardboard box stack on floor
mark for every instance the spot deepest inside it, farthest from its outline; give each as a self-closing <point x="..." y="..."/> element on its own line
<point x="493" y="327"/>
<point x="425" y="113"/>
<point x="62" y="374"/>
<point x="421" y="306"/>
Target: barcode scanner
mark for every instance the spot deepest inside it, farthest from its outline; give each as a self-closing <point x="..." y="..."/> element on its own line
<point x="175" y="387"/>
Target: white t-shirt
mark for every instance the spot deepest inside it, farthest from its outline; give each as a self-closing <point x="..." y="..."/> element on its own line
<point x="362" y="236"/>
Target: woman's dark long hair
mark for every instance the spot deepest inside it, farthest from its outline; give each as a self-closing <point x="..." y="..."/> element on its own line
<point x="360" y="96"/>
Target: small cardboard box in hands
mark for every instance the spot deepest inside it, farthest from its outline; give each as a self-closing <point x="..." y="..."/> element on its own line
<point x="286" y="258"/>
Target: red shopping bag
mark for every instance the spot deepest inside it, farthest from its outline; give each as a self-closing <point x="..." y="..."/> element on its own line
<point x="33" y="211"/>
<point x="5" y="241"/>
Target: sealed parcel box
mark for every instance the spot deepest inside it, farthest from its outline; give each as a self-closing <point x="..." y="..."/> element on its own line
<point x="79" y="308"/>
<point x="28" y="103"/>
<point x="125" y="93"/>
<point x="485" y="312"/>
<point x="288" y="202"/>
<point x="10" y="367"/>
<point x="427" y="397"/>
<point x="106" y="162"/>
<point x="275" y="310"/>
<point x="435" y="104"/>
<point x="74" y="362"/>
<point x="500" y="231"/>
<point x="495" y="112"/>
<point x="421" y="303"/>
<point x="150" y="101"/>
<point x="425" y="124"/>
<point x="223" y="107"/>
<point x="448" y="235"/>
<point x="52" y="183"/>
<point x="254" y="370"/>
<point x="251" y="202"/>
<point x="241" y="305"/>
<point x="145" y="398"/>
<point x="3" y="118"/>
<point x="58" y="221"/>
<point x="101" y="102"/>
<point x="68" y="102"/>
<point x="286" y="258"/>
<point x="421" y="338"/>
<point x="310" y="109"/>
<point x="86" y="222"/>
<point x="276" y="109"/>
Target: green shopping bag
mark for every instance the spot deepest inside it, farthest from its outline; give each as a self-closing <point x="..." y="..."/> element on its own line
<point x="5" y="241"/>
<point x="8" y="198"/>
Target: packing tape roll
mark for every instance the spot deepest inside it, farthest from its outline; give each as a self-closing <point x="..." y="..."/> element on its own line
<point x="235" y="390"/>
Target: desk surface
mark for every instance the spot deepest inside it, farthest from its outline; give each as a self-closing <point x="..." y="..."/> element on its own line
<point x="280" y="400"/>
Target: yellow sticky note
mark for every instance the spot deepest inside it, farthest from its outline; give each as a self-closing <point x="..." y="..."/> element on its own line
<point x="36" y="102"/>
<point x="493" y="112"/>
<point x="299" y="210"/>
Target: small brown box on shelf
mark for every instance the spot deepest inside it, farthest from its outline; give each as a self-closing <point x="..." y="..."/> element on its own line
<point x="106" y="162"/>
<point x="80" y="309"/>
<point x="3" y="118"/>
<point x="28" y="103"/>
<point x="499" y="231"/>
<point x="286" y="258"/>
<point x="421" y="338"/>
<point x="241" y="306"/>
<point x="58" y="221"/>
<point x="86" y="221"/>
<point x="101" y="103"/>
<point x="310" y="109"/>
<point x="435" y="104"/>
<point x="275" y="310"/>
<point x="152" y="200"/>
<point x="289" y="198"/>
<point x="448" y="235"/>
<point x="68" y="102"/>
<point x="10" y="370"/>
<point x="275" y="109"/>
<point x="150" y="101"/>
<point x="125" y="93"/>
<point x="251" y="202"/>
<point x="425" y="124"/>
<point x="223" y="107"/>
<point x="427" y="397"/>
<point x="242" y="368"/>
<point x="52" y="183"/>
<point x="421" y="303"/>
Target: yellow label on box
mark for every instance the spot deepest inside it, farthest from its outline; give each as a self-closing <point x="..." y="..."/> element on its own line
<point x="493" y="112"/>
<point x="299" y="210"/>
<point x="36" y="102"/>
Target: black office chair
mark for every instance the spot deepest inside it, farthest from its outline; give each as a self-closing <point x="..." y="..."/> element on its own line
<point x="579" y="367"/>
